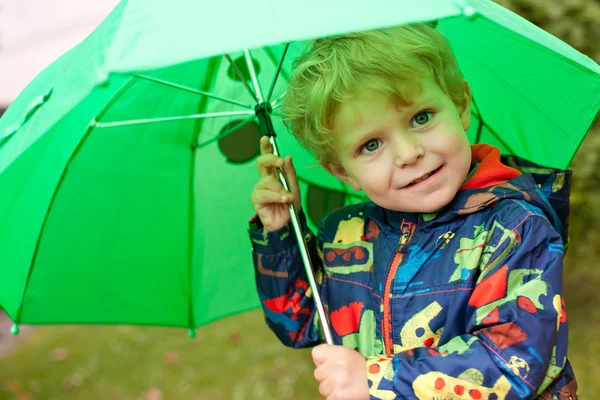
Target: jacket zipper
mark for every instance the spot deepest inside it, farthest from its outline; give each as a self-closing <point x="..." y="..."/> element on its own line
<point x="407" y="230"/>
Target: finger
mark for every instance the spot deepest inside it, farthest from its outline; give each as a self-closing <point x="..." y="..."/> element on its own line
<point x="269" y="190"/>
<point x="272" y="183"/>
<point x="327" y="387"/>
<point x="267" y="163"/>
<point x="292" y="179"/>
<point x="320" y="354"/>
<point x="265" y="145"/>
<point x="271" y="197"/>
<point x="324" y="371"/>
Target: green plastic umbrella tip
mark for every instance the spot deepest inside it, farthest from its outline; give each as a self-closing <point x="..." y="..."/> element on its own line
<point x="192" y="333"/>
<point x="14" y="330"/>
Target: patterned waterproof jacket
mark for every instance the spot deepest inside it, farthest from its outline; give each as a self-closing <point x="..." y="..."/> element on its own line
<point x="463" y="304"/>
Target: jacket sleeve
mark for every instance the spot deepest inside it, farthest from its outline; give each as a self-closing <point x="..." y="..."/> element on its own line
<point x="516" y="337"/>
<point x="282" y="284"/>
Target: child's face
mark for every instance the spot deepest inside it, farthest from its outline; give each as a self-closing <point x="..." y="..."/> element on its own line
<point x="382" y="148"/>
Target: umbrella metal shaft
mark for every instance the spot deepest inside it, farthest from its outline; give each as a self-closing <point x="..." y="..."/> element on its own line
<point x="305" y="256"/>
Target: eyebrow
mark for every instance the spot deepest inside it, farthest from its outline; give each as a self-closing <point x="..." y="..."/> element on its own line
<point x="360" y="139"/>
<point x="350" y="147"/>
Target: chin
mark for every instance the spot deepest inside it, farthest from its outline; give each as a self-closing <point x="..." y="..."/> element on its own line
<point x="438" y="202"/>
<point x="434" y="203"/>
<point x="432" y="207"/>
<point x="421" y="208"/>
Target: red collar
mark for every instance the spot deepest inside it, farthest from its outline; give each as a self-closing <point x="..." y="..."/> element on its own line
<point x="490" y="171"/>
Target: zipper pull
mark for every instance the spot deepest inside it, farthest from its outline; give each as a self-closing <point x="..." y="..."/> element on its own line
<point x="406" y="228"/>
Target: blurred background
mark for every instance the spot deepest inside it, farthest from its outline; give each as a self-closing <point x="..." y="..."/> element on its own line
<point x="238" y="357"/>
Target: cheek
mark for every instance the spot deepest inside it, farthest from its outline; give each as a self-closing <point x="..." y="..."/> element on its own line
<point x="374" y="175"/>
<point x="460" y="154"/>
<point x="455" y="145"/>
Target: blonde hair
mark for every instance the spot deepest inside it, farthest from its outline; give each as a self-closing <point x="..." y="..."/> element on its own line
<point x="336" y="69"/>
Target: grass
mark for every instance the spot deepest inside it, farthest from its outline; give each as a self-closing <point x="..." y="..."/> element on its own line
<point x="235" y="358"/>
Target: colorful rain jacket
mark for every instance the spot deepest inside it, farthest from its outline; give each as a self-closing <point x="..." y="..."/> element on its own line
<point x="463" y="304"/>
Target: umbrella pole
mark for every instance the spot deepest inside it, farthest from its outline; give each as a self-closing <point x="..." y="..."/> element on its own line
<point x="263" y="111"/>
<point x="305" y="254"/>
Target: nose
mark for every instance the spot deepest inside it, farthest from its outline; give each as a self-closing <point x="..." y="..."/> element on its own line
<point x="408" y="150"/>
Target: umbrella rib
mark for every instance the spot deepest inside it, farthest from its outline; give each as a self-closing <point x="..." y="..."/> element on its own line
<point x="5" y="138"/>
<point x="479" y="130"/>
<point x="192" y="90"/>
<point x="168" y="119"/>
<point x="496" y="135"/>
<point x="475" y="105"/>
<point x="480" y="127"/>
<point x="482" y="124"/>
<point x="276" y="76"/>
<point x="191" y="244"/>
<point x="239" y="74"/>
<point x="276" y="104"/>
<point x="253" y="76"/>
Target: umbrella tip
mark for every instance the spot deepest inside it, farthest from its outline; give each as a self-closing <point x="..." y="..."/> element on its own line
<point x="192" y="333"/>
<point x="469" y="12"/>
<point x="14" y="330"/>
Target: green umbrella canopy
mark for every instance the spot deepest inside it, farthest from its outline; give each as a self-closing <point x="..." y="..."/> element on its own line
<point x="127" y="165"/>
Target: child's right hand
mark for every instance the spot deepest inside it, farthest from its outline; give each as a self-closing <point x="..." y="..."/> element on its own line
<point x="269" y="198"/>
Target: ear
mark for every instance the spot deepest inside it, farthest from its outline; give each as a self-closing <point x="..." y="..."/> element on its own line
<point x="465" y="110"/>
<point x="340" y="172"/>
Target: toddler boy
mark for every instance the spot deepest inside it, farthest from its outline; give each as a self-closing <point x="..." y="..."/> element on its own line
<point x="448" y="283"/>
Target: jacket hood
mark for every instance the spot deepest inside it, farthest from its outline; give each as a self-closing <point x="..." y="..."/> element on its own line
<point x="502" y="177"/>
<point x="553" y="191"/>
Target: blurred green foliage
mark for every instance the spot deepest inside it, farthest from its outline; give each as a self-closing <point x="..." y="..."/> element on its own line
<point x="239" y="358"/>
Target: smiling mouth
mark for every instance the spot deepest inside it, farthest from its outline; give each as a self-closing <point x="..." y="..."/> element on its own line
<point x="421" y="179"/>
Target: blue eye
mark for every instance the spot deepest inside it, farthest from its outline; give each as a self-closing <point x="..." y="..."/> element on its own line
<point x="422" y="118"/>
<point x="371" y="145"/>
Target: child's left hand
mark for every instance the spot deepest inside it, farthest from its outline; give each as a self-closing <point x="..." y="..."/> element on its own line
<point x="341" y="373"/>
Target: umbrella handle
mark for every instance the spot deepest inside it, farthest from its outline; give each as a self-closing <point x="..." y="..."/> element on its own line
<point x="305" y="255"/>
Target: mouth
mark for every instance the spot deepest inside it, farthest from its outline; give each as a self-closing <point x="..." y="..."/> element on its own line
<point x="424" y="177"/>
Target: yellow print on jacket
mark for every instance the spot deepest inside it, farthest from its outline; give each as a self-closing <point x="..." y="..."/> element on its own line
<point x="436" y="385"/>
<point x="349" y="231"/>
<point x="377" y="370"/>
<point x="348" y="253"/>
<point x="417" y="332"/>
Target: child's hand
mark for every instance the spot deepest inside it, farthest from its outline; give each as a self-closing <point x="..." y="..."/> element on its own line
<point x="341" y="372"/>
<point x="269" y="198"/>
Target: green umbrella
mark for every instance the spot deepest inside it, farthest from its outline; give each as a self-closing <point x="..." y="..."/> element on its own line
<point x="127" y="165"/>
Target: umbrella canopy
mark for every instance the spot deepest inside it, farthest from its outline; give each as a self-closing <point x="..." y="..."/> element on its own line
<point x="127" y="165"/>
